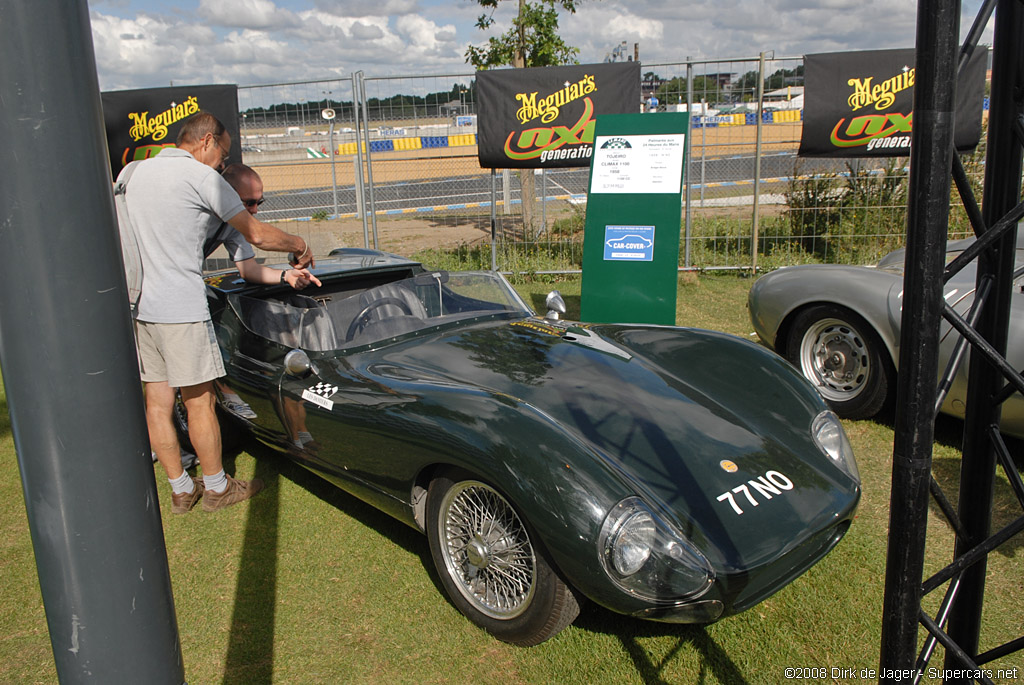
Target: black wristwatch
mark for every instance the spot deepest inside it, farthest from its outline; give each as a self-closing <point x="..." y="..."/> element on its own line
<point x="283" y="272"/>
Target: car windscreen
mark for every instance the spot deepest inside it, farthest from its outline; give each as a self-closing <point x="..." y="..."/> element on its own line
<point x="321" y="321"/>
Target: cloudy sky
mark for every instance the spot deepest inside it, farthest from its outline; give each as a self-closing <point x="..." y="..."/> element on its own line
<point x="145" y="43"/>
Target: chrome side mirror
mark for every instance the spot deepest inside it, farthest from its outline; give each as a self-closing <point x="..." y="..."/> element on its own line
<point x="555" y="305"/>
<point x="297" y="364"/>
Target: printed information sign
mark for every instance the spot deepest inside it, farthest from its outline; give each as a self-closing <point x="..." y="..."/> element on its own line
<point x="633" y="243"/>
<point x="638" y="164"/>
<point x="636" y="183"/>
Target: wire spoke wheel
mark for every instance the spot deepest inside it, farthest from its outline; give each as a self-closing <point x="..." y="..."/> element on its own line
<point x="493" y="567"/>
<point x="487" y="550"/>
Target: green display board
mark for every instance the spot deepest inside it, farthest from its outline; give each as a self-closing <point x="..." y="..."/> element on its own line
<point x="634" y="208"/>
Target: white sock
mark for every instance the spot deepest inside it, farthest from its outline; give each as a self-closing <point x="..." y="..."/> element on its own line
<point x="304" y="437"/>
<point x="217" y="483"/>
<point x="183" y="484"/>
<point x="232" y="397"/>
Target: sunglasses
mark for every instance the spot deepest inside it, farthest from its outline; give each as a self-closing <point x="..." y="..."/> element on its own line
<point x="253" y="203"/>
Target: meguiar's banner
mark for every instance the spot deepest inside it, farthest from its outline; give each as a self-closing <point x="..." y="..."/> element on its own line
<point x="544" y="117"/>
<point x="142" y="122"/>
<point x="860" y="104"/>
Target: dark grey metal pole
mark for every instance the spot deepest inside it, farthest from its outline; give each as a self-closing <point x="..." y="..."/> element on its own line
<point x="931" y="159"/>
<point x="1001" y="194"/>
<point x="69" y="364"/>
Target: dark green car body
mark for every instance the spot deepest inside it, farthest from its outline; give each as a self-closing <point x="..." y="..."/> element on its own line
<point x="566" y="420"/>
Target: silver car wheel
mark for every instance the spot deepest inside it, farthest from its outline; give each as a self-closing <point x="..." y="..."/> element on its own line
<point x="834" y="354"/>
<point x="486" y="550"/>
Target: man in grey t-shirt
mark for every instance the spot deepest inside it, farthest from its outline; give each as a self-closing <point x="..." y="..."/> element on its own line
<point x="174" y="200"/>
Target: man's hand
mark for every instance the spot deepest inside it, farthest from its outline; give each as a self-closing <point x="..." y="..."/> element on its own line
<point x="301" y="278"/>
<point x="270" y="238"/>
<point x="303" y="260"/>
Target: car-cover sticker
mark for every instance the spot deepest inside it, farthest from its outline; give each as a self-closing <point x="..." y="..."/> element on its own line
<point x="767" y="486"/>
<point x="319" y="393"/>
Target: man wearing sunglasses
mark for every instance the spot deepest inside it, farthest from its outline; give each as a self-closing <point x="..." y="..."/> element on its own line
<point x="174" y="200"/>
<point x="249" y="186"/>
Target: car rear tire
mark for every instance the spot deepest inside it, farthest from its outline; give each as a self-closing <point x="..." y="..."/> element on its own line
<point x="491" y="564"/>
<point x="843" y="357"/>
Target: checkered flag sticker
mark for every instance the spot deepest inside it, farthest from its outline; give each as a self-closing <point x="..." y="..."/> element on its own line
<point x="616" y="144"/>
<point x="325" y="390"/>
<point x="319" y="394"/>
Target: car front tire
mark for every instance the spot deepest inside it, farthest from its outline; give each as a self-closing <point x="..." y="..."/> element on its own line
<point x="491" y="565"/>
<point x="839" y="352"/>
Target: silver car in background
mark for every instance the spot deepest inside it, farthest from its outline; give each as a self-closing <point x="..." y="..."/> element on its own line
<point x="840" y="326"/>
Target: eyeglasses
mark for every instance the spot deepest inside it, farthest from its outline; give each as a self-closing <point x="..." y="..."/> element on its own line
<point x="253" y="203"/>
<point x="225" y="154"/>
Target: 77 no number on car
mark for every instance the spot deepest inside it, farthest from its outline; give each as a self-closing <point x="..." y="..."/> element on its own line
<point x="748" y="494"/>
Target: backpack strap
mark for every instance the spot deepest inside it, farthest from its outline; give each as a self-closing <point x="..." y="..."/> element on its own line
<point x="130" y="254"/>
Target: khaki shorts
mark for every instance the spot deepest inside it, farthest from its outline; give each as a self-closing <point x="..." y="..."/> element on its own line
<point x="182" y="354"/>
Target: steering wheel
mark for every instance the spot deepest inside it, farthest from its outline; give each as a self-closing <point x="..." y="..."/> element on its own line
<point x="363" y="317"/>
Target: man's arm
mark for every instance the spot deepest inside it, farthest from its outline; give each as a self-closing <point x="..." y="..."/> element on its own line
<point x="254" y="272"/>
<point x="271" y="238"/>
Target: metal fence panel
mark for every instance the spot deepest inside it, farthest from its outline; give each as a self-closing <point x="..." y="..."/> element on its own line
<point x="415" y="137"/>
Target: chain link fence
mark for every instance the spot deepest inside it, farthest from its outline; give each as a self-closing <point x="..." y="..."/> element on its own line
<point x="396" y="168"/>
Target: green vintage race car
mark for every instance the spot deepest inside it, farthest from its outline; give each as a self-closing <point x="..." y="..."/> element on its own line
<point x="665" y="473"/>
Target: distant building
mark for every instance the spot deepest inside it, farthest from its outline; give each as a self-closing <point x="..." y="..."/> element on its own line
<point x="723" y="79"/>
<point x="790" y="97"/>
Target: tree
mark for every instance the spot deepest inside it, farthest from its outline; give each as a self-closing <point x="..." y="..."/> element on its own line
<point x="746" y="86"/>
<point x="676" y="90"/>
<point x="533" y="41"/>
<point x="672" y="90"/>
<point x="784" y="77"/>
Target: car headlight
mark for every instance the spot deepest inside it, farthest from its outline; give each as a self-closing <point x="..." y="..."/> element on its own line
<point x="647" y="557"/>
<point x="831" y="439"/>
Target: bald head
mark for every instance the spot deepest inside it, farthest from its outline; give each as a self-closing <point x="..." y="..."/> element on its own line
<point x="247" y="183"/>
<point x="203" y="136"/>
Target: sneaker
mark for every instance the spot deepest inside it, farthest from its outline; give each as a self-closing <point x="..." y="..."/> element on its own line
<point x="183" y="503"/>
<point x="240" y="409"/>
<point x="236" y="491"/>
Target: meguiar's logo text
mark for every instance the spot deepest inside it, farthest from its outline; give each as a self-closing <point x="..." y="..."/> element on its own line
<point x="144" y="126"/>
<point x="881" y="95"/>
<point x="547" y="109"/>
<point x="886" y="130"/>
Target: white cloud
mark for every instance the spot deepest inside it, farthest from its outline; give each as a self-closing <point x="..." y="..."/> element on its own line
<point x="425" y="34"/>
<point x="364" y="8"/>
<point x="130" y="52"/>
<point x="246" y="14"/>
<point x="261" y="41"/>
<point x="361" y="31"/>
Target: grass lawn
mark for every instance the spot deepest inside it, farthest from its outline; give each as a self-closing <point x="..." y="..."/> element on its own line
<point x="306" y="584"/>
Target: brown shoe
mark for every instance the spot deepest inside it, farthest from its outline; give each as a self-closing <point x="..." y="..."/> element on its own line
<point x="236" y="491"/>
<point x="181" y="504"/>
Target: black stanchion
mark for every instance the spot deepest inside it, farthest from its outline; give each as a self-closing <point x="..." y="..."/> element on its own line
<point x="1001" y="194"/>
<point x="927" y="221"/>
<point x="69" y="365"/>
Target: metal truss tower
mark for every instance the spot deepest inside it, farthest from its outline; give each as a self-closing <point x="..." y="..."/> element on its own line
<point x="921" y="390"/>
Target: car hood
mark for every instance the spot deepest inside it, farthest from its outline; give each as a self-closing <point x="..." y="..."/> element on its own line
<point x="684" y="415"/>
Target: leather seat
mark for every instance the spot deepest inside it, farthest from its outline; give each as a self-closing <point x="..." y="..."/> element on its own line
<point x="386" y="311"/>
